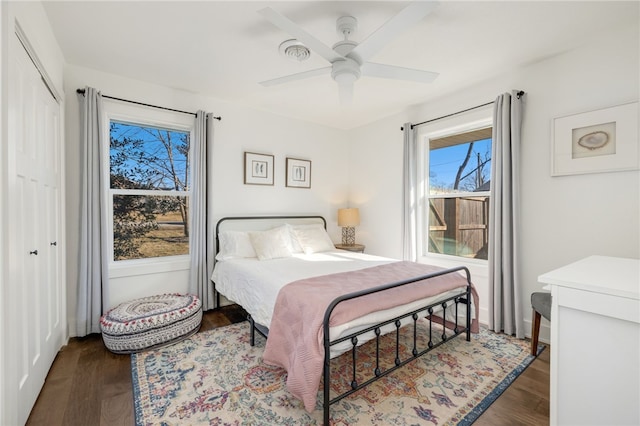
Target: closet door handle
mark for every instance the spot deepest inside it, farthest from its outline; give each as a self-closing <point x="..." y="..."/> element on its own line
<point x="34" y="252"/>
<point x="55" y="243"/>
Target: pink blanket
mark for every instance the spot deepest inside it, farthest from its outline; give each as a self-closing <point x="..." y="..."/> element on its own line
<point x="295" y="335"/>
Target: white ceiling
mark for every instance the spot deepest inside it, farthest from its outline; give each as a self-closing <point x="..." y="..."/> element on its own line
<point x="223" y="49"/>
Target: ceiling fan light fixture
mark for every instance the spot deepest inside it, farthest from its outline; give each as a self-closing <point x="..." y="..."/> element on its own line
<point x="345" y="78"/>
<point x="345" y="71"/>
<point x="294" y="50"/>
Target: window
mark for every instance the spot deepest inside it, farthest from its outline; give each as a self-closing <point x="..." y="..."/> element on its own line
<point x="459" y="169"/>
<point x="149" y="184"/>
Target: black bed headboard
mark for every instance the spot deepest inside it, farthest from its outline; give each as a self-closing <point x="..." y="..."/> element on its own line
<point x="262" y="223"/>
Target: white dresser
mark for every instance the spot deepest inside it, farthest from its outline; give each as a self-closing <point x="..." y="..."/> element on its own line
<point x="595" y="342"/>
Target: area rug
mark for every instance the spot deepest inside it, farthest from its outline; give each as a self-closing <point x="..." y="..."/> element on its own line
<point x="217" y="378"/>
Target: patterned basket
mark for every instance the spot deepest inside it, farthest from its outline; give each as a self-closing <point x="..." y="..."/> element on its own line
<point x="150" y="322"/>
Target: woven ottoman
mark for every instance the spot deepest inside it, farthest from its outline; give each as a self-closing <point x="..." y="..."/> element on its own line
<point x="150" y="322"/>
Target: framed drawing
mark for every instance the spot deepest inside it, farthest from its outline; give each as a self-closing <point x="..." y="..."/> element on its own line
<point x="605" y="140"/>
<point x="298" y="173"/>
<point x="258" y="169"/>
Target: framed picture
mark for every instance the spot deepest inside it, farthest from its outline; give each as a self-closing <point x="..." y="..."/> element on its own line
<point x="298" y="173"/>
<point x="605" y="140"/>
<point x="258" y="169"/>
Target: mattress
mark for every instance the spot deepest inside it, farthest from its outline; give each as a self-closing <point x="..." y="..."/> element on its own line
<point x="254" y="285"/>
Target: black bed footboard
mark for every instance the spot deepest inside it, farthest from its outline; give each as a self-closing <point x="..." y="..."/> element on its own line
<point x="425" y="313"/>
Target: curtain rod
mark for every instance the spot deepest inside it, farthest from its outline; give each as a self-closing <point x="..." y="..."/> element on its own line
<point x="519" y="95"/>
<point x="81" y="91"/>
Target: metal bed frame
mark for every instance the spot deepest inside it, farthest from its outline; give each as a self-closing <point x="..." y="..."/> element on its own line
<point x="377" y="373"/>
<point x="426" y="312"/>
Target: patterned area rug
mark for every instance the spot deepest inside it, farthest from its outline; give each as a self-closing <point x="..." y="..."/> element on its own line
<point x="217" y="378"/>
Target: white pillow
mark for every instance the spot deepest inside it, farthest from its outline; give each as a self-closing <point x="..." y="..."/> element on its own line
<point x="313" y="239"/>
<point x="290" y="238"/>
<point x="234" y="244"/>
<point x="271" y="244"/>
<point x="294" y="245"/>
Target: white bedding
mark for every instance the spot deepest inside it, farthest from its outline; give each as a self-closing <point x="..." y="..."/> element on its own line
<point x="254" y="285"/>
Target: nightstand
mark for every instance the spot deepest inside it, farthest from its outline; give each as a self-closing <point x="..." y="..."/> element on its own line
<point x="359" y="248"/>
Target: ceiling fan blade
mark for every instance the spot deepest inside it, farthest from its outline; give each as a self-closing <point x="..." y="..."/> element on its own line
<point x="407" y="17"/>
<point x="295" y="77"/>
<point x="301" y="35"/>
<point x="397" y="73"/>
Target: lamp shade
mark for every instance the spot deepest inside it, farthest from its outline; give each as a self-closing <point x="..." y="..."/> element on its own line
<point x="348" y="217"/>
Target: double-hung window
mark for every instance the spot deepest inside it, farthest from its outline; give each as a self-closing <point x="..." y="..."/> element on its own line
<point x="149" y="187"/>
<point x="458" y="191"/>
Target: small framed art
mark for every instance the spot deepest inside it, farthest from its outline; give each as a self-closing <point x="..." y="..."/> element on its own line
<point x="605" y="140"/>
<point x="258" y="169"/>
<point x="298" y="173"/>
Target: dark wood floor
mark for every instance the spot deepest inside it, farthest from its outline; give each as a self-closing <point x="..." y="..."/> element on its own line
<point x="88" y="385"/>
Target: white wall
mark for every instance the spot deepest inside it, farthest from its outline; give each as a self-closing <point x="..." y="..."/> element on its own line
<point x="363" y="167"/>
<point x="240" y="130"/>
<point x="563" y="218"/>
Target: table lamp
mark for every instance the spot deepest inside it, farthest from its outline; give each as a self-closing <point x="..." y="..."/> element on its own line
<point x="348" y="219"/>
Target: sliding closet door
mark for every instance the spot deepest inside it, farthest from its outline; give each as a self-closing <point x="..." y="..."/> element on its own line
<point x="35" y="291"/>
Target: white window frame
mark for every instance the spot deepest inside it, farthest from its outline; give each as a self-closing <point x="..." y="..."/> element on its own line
<point x="145" y="116"/>
<point x="475" y="120"/>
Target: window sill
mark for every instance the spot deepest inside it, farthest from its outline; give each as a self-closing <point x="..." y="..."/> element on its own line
<point x="445" y="261"/>
<point x="127" y="268"/>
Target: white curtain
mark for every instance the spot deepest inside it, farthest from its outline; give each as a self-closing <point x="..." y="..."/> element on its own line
<point x="93" y="272"/>
<point x="410" y="193"/>
<point x="200" y="233"/>
<point x="505" y="291"/>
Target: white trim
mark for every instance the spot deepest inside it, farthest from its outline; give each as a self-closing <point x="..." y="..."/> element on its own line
<point x="127" y="112"/>
<point x="148" y="192"/>
<point x="462" y="194"/>
<point x="22" y="37"/>
<point x="479" y="269"/>
<point x="455" y="125"/>
<point x="458" y="125"/>
<point x="435" y="258"/>
<point x="124" y="112"/>
<point x="128" y="268"/>
<point x="6" y="404"/>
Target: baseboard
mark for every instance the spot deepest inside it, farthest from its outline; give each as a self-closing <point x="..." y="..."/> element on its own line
<point x="545" y="330"/>
<point x="545" y="326"/>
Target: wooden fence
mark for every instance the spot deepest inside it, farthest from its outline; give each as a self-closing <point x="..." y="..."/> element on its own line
<point x="459" y="226"/>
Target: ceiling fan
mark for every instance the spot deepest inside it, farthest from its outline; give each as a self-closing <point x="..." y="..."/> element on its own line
<point x="349" y="59"/>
